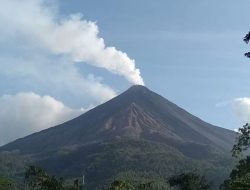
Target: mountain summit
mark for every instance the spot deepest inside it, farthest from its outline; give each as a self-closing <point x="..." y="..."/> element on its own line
<point x="129" y="132"/>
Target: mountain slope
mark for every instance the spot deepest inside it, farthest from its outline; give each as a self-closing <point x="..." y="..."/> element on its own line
<point x="138" y="131"/>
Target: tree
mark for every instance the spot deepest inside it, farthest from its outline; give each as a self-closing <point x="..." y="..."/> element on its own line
<point x="125" y="185"/>
<point x="120" y="185"/>
<point x="240" y="176"/>
<point x="243" y="140"/>
<point x="153" y="185"/>
<point x="37" y="179"/>
<point x="247" y="39"/>
<point x="52" y="183"/>
<point x="6" y="184"/>
<point x="189" y="181"/>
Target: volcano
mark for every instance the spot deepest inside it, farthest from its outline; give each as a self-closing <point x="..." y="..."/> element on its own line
<point x="138" y="133"/>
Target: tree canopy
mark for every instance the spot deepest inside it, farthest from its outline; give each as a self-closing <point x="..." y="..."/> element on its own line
<point x="6" y="184"/>
<point x="239" y="178"/>
<point x="190" y="181"/>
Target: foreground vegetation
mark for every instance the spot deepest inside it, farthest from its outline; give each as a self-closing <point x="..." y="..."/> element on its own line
<point x="240" y="176"/>
<point x="37" y="179"/>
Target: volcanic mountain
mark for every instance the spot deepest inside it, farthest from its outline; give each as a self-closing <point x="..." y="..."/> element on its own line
<point x="138" y="133"/>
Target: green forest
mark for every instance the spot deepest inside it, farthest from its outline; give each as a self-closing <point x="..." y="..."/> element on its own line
<point x="36" y="178"/>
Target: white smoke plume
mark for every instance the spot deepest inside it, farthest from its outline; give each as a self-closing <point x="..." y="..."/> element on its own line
<point x="72" y="36"/>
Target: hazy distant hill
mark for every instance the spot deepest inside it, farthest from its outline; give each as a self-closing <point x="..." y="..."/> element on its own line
<point x="138" y="135"/>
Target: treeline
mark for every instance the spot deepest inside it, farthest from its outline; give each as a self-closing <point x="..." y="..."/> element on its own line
<point x="12" y="163"/>
<point x="239" y="178"/>
<point x="36" y="178"/>
<point x="188" y="181"/>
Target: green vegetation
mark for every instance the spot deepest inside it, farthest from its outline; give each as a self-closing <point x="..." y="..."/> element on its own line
<point x="120" y="185"/>
<point x="243" y="141"/>
<point x="6" y="184"/>
<point x="36" y="178"/>
<point x="134" y="161"/>
<point x="125" y="185"/>
<point x="190" y="181"/>
<point x="247" y="39"/>
<point x="240" y="176"/>
<point x="12" y="164"/>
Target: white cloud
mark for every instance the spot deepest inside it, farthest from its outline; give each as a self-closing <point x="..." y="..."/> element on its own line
<point x="73" y="36"/>
<point x="236" y="130"/>
<point x="241" y="108"/>
<point x="24" y="113"/>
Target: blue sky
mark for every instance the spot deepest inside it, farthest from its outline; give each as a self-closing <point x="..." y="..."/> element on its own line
<point x="190" y="52"/>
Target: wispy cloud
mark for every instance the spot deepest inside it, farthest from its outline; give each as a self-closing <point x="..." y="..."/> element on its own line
<point x="223" y="104"/>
